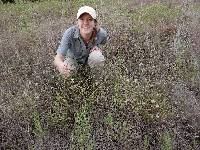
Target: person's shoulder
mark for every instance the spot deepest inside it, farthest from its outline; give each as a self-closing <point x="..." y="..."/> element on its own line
<point x="73" y="28"/>
<point x="70" y="31"/>
<point x="103" y="32"/>
<point x="102" y="36"/>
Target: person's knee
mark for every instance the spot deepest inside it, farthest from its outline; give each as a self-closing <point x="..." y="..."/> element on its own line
<point x="96" y="58"/>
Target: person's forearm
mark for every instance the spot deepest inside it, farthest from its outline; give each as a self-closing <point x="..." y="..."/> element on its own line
<point x="58" y="59"/>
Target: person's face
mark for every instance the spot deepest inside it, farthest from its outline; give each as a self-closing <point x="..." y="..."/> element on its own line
<point x="86" y="24"/>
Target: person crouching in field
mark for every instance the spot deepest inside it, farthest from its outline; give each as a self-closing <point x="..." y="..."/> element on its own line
<point x="80" y="44"/>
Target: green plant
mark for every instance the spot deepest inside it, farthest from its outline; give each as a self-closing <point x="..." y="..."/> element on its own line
<point x="38" y="129"/>
<point x="186" y="67"/>
<point x="81" y="133"/>
<point x="146" y="142"/>
<point x="166" y="141"/>
<point x="109" y="119"/>
<point x="59" y="113"/>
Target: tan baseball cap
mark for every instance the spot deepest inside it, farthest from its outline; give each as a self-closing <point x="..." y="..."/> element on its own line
<point x="87" y="9"/>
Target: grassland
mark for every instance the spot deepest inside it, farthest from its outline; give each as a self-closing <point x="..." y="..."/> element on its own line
<point x="147" y="96"/>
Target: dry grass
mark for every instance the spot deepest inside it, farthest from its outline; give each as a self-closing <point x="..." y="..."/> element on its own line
<point x="146" y="97"/>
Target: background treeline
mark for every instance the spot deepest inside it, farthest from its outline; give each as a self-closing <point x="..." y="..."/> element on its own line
<point x="17" y="1"/>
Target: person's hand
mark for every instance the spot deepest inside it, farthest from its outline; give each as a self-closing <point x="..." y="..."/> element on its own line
<point x="64" y="68"/>
<point x="95" y="48"/>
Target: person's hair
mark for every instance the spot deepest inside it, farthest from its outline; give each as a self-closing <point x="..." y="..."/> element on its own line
<point x="95" y="28"/>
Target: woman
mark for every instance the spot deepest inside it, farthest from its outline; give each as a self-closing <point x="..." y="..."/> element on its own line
<point x="80" y="44"/>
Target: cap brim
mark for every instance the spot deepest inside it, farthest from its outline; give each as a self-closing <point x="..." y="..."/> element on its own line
<point x="78" y="16"/>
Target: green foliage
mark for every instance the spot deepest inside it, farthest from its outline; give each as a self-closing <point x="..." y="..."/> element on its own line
<point x="144" y="96"/>
<point x="59" y="113"/>
<point x="151" y="15"/>
<point x="76" y="4"/>
<point x="186" y="66"/>
<point x="109" y="119"/>
<point x="153" y="106"/>
<point x="166" y="141"/>
<point x="38" y="129"/>
<point x="84" y="2"/>
<point x="54" y="9"/>
<point x="82" y="130"/>
<point x="27" y="16"/>
<point x="146" y="142"/>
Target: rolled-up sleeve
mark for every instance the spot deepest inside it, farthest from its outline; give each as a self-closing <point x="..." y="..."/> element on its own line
<point x="64" y="45"/>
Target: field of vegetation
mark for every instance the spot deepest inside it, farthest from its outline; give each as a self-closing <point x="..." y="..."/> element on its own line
<point x="147" y="96"/>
